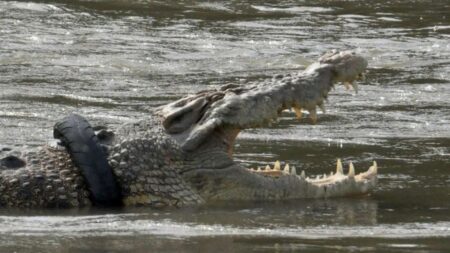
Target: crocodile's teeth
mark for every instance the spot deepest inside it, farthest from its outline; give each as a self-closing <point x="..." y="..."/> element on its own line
<point x="298" y="112"/>
<point x="374" y="168"/>
<point x="339" y="169"/>
<point x="331" y="174"/>
<point x="286" y="168"/>
<point x="351" y="170"/>
<point x="259" y="169"/>
<point x="267" y="167"/>
<point x="313" y="115"/>
<point x="324" y="176"/>
<point x="293" y="171"/>
<point x="303" y="175"/>
<point x="277" y="165"/>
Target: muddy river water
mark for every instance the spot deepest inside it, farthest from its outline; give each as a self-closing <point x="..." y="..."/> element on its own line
<point x="115" y="60"/>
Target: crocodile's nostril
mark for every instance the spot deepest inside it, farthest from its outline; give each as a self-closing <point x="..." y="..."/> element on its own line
<point x="5" y="149"/>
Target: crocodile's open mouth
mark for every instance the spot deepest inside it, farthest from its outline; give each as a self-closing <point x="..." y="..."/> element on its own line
<point x="210" y="121"/>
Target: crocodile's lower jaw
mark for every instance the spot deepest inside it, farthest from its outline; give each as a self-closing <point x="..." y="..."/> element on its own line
<point x="328" y="185"/>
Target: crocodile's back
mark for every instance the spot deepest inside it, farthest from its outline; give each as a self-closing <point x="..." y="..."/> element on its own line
<point x="49" y="179"/>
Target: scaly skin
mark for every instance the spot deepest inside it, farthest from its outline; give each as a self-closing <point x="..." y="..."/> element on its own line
<point x="182" y="153"/>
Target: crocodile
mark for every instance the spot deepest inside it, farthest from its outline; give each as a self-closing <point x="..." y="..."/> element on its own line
<point x="181" y="154"/>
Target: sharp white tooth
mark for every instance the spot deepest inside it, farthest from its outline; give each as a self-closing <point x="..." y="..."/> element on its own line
<point x="374" y="168"/>
<point x="331" y="174"/>
<point x="351" y="170"/>
<point x="303" y="175"/>
<point x="277" y="165"/>
<point x="286" y="168"/>
<point x="318" y="177"/>
<point x="267" y="167"/>
<point x="293" y="171"/>
<point x="313" y="115"/>
<point x="298" y="112"/>
<point x="339" y="169"/>
<point x="259" y="169"/>
<point x="324" y="176"/>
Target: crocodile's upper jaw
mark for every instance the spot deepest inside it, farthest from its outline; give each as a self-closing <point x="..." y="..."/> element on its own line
<point x="209" y="122"/>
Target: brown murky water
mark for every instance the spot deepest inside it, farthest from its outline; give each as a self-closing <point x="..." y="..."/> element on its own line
<point x="115" y="60"/>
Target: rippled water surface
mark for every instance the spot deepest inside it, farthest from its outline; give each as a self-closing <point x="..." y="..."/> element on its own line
<point x="115" y="60"/>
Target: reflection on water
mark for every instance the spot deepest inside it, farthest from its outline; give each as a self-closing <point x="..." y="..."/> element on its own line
<point x="115" y="60"/>
<point x="265" y="225"/>
<point x="265" y="220"/>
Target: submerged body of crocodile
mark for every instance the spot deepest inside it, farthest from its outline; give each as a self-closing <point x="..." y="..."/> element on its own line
<point x="181" y="154"/>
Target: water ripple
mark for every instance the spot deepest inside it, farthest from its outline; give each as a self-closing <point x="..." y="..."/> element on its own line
<point x="106" y="225"/>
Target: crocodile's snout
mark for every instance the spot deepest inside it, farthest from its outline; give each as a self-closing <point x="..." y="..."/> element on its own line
<point x="347" y="65"/>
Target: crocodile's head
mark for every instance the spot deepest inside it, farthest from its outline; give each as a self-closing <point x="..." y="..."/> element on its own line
<point x="206" y="126"/>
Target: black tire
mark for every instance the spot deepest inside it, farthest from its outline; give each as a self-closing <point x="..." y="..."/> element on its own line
<point x="77" y="135"/>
